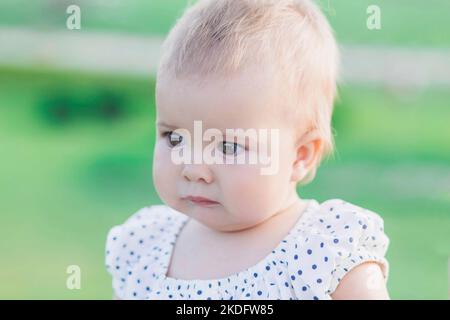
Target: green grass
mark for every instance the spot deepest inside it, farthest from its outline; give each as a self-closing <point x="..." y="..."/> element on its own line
<point x="404" y="22"/>
<point x="64" y="185"/>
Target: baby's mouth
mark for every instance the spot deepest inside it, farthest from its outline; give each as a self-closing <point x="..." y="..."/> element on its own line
<point x="201" y="201"/>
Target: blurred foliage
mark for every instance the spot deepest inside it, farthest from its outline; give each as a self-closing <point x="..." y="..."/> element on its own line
<point x="404" y="22"/>
<point x="61" y="107"/>
<point x="63" y="187"/>
<point x="76" y="149"/>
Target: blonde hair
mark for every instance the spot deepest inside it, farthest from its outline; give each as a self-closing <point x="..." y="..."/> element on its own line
<point x="221" y="37"/>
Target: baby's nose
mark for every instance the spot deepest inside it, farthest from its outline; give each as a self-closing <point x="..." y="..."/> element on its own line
<point x="197" y="173"/>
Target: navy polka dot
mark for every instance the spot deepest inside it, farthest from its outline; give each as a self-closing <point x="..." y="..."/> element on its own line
<point x="283" y="273"/>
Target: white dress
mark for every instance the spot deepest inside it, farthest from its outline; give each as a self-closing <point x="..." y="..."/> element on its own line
<point x="327" y="241"/>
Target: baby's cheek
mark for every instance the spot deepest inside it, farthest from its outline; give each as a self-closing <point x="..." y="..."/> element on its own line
<point x="164" y="175"/>
<point x="249" y="193"/>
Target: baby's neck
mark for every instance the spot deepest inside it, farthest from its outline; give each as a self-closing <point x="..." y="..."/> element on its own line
<point x="285" y="218"/>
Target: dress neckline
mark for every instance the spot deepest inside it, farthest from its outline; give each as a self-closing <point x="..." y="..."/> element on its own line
<point x="311" y="204"/>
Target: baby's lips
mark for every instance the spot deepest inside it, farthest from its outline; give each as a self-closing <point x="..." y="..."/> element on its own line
<point x="200" y="199"/>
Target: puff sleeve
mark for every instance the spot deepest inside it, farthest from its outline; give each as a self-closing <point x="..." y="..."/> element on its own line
<point x="125" y="244"/>
<point x="356" y="236"/>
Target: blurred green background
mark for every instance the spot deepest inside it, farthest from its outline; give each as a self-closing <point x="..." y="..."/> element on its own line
<point x="76" y="149"/>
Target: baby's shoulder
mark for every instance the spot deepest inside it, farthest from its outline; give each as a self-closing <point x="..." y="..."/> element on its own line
<point x="143" y="237"/>
<point x="336" y="237"/>
<point x="344" y="223"/>
<point x="338" y="214"/>
<point x="148" y="227"/>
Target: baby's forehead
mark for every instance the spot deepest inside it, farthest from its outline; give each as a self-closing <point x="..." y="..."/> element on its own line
<point x="251" y="81"/>
<point x="247" y="99"/>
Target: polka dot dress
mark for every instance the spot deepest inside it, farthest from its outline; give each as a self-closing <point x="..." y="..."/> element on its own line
<point x="326" y="242"/>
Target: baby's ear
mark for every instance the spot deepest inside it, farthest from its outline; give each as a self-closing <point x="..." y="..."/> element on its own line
<point x="307" y="151"/>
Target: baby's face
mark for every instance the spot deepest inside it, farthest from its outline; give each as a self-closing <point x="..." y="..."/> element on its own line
<point x="244" y="196"/>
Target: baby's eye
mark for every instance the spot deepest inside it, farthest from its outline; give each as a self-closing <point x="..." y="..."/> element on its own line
<point x="231" y="148"/>
<point x="173" y="138"/>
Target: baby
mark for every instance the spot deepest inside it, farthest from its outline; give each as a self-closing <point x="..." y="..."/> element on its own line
<point x="229" y="230"/>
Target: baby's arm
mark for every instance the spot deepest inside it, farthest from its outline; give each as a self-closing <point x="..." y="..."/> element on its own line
<point x="364" y="282"/>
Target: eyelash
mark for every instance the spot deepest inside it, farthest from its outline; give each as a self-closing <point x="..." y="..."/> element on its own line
<point x="164" y="134"/>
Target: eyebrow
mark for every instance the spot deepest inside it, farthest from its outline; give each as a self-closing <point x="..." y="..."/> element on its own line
<point x="168" y="126"/>
<point x="165" y="125"/>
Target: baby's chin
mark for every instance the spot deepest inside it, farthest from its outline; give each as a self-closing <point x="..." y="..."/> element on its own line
<point x="216" y="217"/>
